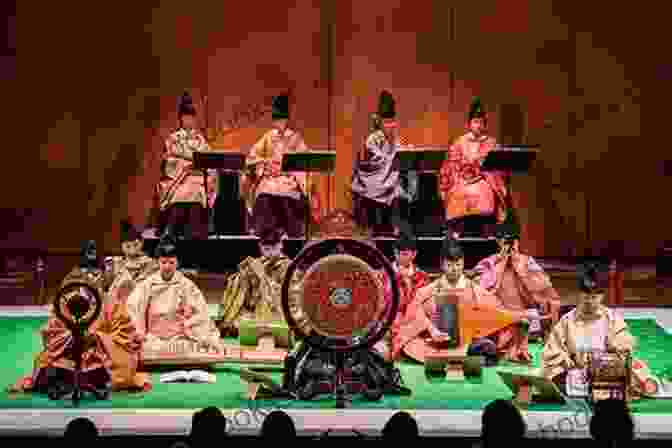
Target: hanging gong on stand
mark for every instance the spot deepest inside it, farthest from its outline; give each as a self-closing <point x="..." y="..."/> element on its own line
<point x="78" y="305"/>
<point x="348" y="301"/>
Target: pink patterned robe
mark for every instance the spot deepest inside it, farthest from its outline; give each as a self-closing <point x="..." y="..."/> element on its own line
<point x="179" y="182"/>
<point x="519" y="284"/>
<point x="465" y="189"/>
<point x="413" y="332"/>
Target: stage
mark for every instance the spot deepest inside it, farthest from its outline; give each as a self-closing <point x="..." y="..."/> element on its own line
<point x="447" y="408"/>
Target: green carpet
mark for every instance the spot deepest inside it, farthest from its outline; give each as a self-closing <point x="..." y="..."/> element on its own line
<point x="20" y="338"/>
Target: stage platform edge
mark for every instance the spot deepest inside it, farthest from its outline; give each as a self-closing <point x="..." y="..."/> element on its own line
<point x="311" y="422"/>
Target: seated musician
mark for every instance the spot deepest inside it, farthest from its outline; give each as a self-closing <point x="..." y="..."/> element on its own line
<point x="254" y="292"/>
<point x="590" y="327"/>
<point x="88" y="270"/>
<point x="132" y="267"/>
<point x="375" y="181"/>
<point x="409" y="279"/>
<point x="469" y="194"/>
<point x="520" y="284"/>
<point x="112" y="343"/>
<point x="170" y="311"/>
<point x="274" y="198"/>
<point x="179" y="183"/>
<point x="416" y="331"/>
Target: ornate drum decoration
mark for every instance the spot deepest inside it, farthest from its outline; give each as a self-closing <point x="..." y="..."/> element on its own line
<point x="343" y="294"/>
<point x="77" y="305"/>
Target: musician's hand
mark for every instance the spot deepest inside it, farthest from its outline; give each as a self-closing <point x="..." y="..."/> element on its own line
<point x="438" y="336"/>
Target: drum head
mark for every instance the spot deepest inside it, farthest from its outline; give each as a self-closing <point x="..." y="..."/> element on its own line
<point x="343" y="296"/>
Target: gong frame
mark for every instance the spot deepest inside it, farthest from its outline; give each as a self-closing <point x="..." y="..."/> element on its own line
<point x="368" y="253"/>
<point x="68" y="289"/>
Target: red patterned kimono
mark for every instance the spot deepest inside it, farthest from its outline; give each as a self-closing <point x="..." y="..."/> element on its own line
<point x="409" y="281"/>
<point x="413" y="330"/>
<point x="519" y="284"/>
<point x="465" y="189"/>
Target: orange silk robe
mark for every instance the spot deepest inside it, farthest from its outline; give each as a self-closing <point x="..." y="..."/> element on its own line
<point x="264" y="163"/>
<point x="179" y="182"/>
<point x="116" y="345"/>
<point x="465" y="189"/>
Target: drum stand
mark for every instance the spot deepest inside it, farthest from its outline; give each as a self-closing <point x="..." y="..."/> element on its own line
<point x="78" y="388"/>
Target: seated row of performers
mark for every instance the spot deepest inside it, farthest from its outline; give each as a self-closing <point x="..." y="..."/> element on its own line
<point x="150" y="307"/>
<point x="384" y="198"/>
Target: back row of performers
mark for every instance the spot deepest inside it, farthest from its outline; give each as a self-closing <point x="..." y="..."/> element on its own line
<point x="150" y="306"/>
<point x="381" y="194"/>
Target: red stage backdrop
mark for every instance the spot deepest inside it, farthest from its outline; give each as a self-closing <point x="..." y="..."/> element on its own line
<point x="99" y="88"/>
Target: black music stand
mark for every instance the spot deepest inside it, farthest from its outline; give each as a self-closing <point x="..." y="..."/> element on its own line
<point x="421" y="159"/>
<point x="309" y="162"/>
<point x="221" y="161"/>
<point x="514" y="158"/>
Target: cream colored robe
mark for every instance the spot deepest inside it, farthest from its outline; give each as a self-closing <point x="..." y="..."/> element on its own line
<point x="609" y="332"/>
<point x="172" y="314"/>
<point x="129" y="271"/>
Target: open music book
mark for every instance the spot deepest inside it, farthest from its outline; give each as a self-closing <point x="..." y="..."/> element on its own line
<point x="191" y="376"/>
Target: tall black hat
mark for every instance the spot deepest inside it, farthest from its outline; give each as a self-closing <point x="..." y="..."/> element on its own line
<point x="167" y="246"/>
<point x="88" y="246"/>
<point x="509" y="229"/>
<point x="451" y="249"/>
<point x="387" y="105"/>
<point x="185" y="105"/>
<point x="407" y="242"/>
<point x="129" y="233"/>
<point x="476" y="109"/>
<point x="280" y="107"/>
<point x="270" y="236"/>
<point x="591" y="277"/>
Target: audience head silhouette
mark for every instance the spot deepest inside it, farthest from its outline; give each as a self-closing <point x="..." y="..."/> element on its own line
<point x="612" y="424"/>
<point x="502" y="422"/>
<point x="278" y="425"/>
<point x="401" y="425"/>
<point x="207" y="424"/>
<point x="81" y="429"/>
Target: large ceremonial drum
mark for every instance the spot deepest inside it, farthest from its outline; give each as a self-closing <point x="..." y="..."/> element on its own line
<point x="348" y="294"/>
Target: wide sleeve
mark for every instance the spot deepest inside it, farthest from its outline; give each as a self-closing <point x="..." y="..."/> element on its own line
<point x="449" y="169"/>
<point x="487" y="275"/>
<point x="235" y="292"/>
<point x="257" y="152"/>
<point x="556" y="358"/>
<point x="55" y="338"/>
<point x="619" y="338"/>
<point x="137" y="305"/>
<point x="416" y="320"/>
<point x="198" y="304"/>
<point x="538" y="285"/>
